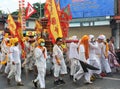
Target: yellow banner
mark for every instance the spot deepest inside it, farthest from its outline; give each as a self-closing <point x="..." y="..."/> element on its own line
<point x="11" y="24"/>
<point x="55" y="26"/>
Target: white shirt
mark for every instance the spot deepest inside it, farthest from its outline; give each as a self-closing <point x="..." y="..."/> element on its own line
<point x="92" y="50"/>
<point x="73" y="51"/>
<point x="40" y="58"/>
<point x="10" y="53"/>
<point x="57" y="51"/>
<point x="98" y="50"/>
<point x="15" y="54"/>
<point x="82" y="53"/>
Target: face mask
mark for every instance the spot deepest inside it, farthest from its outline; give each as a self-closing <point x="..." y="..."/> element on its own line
<point x="42" y="44"/>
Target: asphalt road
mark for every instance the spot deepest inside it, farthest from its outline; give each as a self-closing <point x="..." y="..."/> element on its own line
<point x="112" y="82"/>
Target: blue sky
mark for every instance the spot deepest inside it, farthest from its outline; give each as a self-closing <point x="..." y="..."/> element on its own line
<point x="12" y="5"/>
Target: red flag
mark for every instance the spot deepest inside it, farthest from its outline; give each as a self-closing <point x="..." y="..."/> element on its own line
<point x="19" y="33"/>
<point x="29" y="11"/>
<point x="65" y="16"/>
<point x="47" y="9"/>
<point x="68" y="12"/>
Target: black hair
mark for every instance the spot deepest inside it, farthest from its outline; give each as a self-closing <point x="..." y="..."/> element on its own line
<point x="58" y="39"/>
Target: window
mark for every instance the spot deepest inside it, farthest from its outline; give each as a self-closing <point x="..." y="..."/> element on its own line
<point x="85" y="24"/>
<point x="99" y="23"/>
<point x="74" y="24"/>
<point x="27" y="24"/>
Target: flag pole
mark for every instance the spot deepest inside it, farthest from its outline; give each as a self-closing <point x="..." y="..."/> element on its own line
<point x="40" y="9"/>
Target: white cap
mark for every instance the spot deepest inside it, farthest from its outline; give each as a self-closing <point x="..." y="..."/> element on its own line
<point x="74" y="38"/>
<point x="91" y="36"/>
<point x="102" y="37"/>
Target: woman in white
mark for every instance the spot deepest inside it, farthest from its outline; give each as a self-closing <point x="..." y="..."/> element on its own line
<point x="40" y="54"/>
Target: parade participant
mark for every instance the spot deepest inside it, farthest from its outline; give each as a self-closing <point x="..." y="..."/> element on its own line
<point x="29" y="60"/>
<point x="73" y="56"/>
<point x="112" y="57"/>
<point x="83" y="50"/>
<point x="93" y="59"/>
<point x="59" y="63"/>
<point x="5" y="52"/>
<point x="0" y="60"/>
<point x="40" y="53"/>
<point x="7" y="68"/>
<point x="15" y="56"/>
<point x="104" y="55"/>
<point x="5" y="43"/>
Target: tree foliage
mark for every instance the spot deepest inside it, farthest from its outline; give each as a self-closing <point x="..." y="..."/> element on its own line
<point x="38" y="8"/>
<point x="15" y="13"/>
<point x="0" y="12"/>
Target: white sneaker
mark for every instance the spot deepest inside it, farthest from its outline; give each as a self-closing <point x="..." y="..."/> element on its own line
<point x="88" y="82"/>
<point x="74" y="80"/>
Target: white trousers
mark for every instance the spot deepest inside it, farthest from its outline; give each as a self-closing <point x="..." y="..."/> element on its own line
<point x="78" y="75"/>
<point x="7" y="68"/>
<point x="29" y="62"/>
<point x="0" y="67"/>
<point x="74" y="64"/>
<point x="41" y="76"/>
<point x="15" y="71"/>
<point x="95" y="63"/>
<point x="60" y="69"/>
<point x="105" y="65"/>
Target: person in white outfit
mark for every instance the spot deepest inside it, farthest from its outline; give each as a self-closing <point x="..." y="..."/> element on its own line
<point x="60" y="68"/>
<point x="112" y="57"/>
<point x="0" y="60"/>
<point x="93" y="59"/>
<point x="15" y="56"/>
<point x="40" y="54"/>
<point x="83" y="56"/>
<point x="73" y="56"/>
<point x="5" y="52"/>
<point x="104" y="55"/>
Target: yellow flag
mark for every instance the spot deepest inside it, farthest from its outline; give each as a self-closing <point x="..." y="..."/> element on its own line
<point x="38" y="27"/>
<point x="11" y="24"/>
<point x="55" y="27"/>
<point x="19" y="26"/>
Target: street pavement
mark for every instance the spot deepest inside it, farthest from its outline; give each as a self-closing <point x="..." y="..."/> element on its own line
<point x="111" y="82"/>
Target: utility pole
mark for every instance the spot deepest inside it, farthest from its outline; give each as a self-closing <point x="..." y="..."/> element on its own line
<point x="40" y="10"/>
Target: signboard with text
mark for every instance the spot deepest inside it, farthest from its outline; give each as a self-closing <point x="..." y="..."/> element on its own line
<point x="89" y="8"/>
